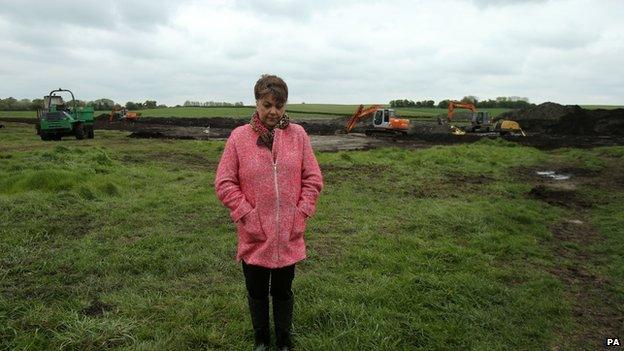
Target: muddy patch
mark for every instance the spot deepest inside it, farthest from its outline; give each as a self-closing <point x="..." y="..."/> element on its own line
<point x="564" y="195"/>
<point x="97" y="308"/>
<point x="461" y="179"/>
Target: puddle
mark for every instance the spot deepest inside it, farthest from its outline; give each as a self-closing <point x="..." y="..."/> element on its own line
<point x="553" y="175"/>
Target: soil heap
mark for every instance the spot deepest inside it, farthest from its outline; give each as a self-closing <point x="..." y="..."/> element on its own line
<point x="552" y="118"/>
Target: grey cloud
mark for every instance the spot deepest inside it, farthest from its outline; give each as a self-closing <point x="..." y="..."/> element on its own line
<point x="494" y="3"/>
<point x="100" y="14"/>
<point x="327" y="51"/>
<point x="57" y="13"/>
<point x="294" y="10"/>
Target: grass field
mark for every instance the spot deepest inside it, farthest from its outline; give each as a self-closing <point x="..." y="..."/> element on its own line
<point x="296" y="111"/>
<point x="120" y="244"/>
<point x="31" y="114"/>
<point x="606" y="107"/>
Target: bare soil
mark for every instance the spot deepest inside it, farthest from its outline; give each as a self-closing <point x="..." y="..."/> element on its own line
<point x="328" y="135"/>
<point x="549" y="126"/>
<point x="554" y="119"/>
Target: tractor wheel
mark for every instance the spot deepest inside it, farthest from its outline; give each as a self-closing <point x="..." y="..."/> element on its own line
<point x="79" y="131"/>
<point x="45" y="136"/>
<point x="90" y="133"/>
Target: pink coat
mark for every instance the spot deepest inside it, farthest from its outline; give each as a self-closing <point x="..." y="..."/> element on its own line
<point x="270" y="194"/>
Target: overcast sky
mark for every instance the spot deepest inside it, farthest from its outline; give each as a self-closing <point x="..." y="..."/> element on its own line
<point x="327" y="51"/>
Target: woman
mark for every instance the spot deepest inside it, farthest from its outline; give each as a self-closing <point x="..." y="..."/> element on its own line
<point x="270" y="180"/>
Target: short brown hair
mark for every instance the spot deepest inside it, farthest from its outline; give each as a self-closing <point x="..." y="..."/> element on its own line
<point x="269" y="84"/>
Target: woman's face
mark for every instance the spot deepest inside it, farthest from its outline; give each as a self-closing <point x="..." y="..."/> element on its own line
<point x="269" y="110"/>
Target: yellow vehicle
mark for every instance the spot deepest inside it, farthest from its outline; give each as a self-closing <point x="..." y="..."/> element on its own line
<point x="480" y="122"/>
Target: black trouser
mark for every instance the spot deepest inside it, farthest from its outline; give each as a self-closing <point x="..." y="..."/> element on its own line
<point x="257" y="281"/>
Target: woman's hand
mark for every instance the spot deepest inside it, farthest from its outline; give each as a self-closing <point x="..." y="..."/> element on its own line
<point x="252" y="225"/>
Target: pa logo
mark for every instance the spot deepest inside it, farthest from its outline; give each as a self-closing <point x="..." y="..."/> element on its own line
<point x="612" y="342"/>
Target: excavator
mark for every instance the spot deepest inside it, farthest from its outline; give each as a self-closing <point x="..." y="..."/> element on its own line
<point x="480" y="121"/>
<point x="384" y="121"/>
<point x="119" y="113"/>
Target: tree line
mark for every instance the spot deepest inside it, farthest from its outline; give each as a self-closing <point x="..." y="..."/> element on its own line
<point x="513" y="102"/>
<point x="12" y="104"/>
<point x="213" y="104"/>
<point x="410" y="103"/>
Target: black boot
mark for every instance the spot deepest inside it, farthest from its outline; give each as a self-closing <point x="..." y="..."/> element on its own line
<point x="282" y="316"/>
<point x="259" y="309"/>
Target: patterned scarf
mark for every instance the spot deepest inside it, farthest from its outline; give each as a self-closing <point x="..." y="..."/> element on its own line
<point x="265" y="135"/>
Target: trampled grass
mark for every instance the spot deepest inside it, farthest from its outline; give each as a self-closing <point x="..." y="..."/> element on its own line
<point x="120" y="243"/>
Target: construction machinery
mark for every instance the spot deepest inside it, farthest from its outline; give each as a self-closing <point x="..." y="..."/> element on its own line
<point x="119" y="113"/>
<point x="57" y="119"/>
<point x="385" y="121"/>
<point x="480" y="121"/>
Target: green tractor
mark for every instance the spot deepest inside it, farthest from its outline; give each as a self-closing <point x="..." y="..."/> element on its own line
<point x="56" y="119"/>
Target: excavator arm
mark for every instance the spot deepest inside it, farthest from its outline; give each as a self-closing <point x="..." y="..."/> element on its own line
<point x="457" y="104"/>
<point x="360" y="113"/>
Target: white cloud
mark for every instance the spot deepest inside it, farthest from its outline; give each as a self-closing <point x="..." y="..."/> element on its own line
<point x="346" y="52"/>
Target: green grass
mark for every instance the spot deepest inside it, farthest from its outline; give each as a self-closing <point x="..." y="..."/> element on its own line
<point x="20" y="114"/>
<point x="31" y="114"/>
<point x="295" y="111"/>
<point x="238" y="112"/>
<point x="606" y="107"/>
<point x="120" y="243"/>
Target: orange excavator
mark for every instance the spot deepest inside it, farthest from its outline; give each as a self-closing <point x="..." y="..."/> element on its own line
<point x="457" y="104"/>
<point x="384" y="121"/>
<point x="480" y="121"/>
<point x="119" y="113"/>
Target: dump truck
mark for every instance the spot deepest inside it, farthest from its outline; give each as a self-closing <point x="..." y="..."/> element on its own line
<point x="58" y="119"/>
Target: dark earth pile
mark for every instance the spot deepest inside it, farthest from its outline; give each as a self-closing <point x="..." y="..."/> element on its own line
<point x="548" y="126"/>
<point x="552" y="118"/>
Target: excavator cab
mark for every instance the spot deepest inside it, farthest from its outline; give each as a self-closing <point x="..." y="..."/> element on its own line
<point x="481" y="119"/>
<point x="382" y="117"/>
<point x="479" y="122"/>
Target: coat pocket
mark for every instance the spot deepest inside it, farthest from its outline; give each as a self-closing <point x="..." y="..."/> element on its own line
<point x="299" y="225"/>
<point x="253" y="227"/>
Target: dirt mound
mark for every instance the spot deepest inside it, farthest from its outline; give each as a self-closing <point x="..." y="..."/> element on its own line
<point x="552" y="118"/>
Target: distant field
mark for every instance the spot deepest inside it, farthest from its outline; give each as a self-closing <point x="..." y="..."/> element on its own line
<point x="404" y="112"/>
<point x="605" y="107"/>
<point x="20" y="114"/>
<point x="31" y="114"/>
<point x="296" y="111"/>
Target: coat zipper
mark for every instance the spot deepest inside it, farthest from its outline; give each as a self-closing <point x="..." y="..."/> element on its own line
<point x="277" y="202"/>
